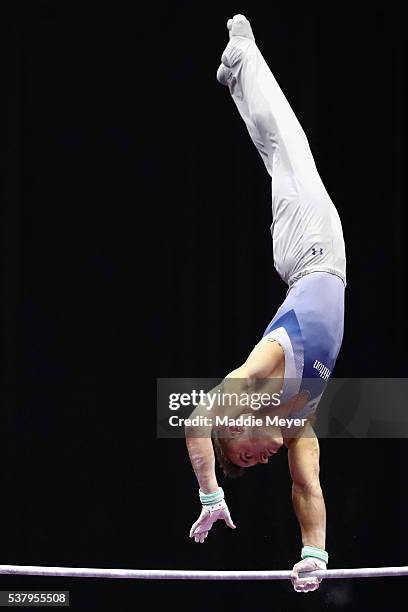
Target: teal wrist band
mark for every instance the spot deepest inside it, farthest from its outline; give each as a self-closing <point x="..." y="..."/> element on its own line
<point x="316" y="553"/>
<point x="207" y="499"/>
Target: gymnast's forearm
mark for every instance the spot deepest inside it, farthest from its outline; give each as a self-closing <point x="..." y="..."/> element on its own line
<point x="198" y="438"/>
<point x="310" y="509"/>
<point x="202" y="459"/>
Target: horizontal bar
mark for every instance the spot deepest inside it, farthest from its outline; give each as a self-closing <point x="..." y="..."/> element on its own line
<point x="155" y="574"/>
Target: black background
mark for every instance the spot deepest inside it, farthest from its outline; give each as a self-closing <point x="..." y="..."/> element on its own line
<point x="135" y="243"/>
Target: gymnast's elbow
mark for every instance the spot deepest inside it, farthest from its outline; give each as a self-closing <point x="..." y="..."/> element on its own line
<point x="198" y="424"/>
<point x="190" y="432"/>
<point x="195" y="430"/>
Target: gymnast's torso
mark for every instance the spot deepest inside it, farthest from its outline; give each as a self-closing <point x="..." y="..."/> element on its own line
<point x="309" y="327"/>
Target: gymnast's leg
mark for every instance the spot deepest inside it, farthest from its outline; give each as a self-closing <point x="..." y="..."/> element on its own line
<point x="272" y="124"/>
<point x="306" y="230"/>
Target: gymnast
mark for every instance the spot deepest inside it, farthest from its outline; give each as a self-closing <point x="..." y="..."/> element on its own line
<point x="299" y="347"/>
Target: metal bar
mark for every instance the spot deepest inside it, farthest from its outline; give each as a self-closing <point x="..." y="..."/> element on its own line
<point x="156" y="574"/>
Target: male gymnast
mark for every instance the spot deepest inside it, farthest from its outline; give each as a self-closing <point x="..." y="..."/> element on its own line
<point x="300" y="346"/>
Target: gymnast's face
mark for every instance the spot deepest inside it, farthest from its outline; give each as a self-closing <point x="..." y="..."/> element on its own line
<point x="248" y="448"/>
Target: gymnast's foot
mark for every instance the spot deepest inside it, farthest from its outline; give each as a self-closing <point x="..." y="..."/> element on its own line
<point x="237" y="26"/>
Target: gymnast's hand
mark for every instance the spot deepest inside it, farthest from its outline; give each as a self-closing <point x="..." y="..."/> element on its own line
<point x="304" y="584"/>
<point x="210" y="514"/>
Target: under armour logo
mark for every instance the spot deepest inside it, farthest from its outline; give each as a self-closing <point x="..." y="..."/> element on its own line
<point x="314" y="251"/>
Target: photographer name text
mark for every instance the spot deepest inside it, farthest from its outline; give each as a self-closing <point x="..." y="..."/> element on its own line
<point x="247" y="420"/>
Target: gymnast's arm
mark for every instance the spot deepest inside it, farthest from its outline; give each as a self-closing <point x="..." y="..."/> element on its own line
<point x="265" y="361"/>
<point x="198" y="438"/>
<point x="202" y="459"/>
<point x="307" y="496"/>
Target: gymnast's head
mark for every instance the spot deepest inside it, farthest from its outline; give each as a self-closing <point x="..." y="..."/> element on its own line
<point x="240" y="447"/>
